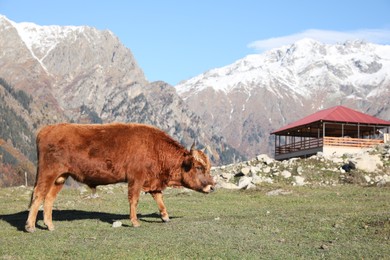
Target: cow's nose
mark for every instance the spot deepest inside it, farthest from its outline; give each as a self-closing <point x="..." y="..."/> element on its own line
<point x="212" y="189"/>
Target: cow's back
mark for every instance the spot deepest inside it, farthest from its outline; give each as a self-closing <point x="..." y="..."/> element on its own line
<point x="103" y="154"/>
<point x="109" y="136"/>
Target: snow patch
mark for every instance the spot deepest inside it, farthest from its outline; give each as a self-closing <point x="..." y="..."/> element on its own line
<point x="296" y="68"/>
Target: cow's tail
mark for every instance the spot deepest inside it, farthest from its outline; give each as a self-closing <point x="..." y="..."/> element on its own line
<point x="37" y="173"/>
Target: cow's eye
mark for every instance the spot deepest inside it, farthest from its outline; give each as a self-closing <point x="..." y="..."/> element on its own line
<point x="199" y="168"/>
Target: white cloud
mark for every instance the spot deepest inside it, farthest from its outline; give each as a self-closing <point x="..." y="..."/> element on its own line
<point x="379" y="36"/>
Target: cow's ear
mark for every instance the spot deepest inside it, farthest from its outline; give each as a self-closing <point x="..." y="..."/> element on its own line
<point x="187" y="163"/>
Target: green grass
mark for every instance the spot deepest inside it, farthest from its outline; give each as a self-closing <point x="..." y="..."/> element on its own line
<point x="343" y="222"/>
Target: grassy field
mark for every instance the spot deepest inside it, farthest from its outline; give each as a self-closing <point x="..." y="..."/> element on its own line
<point x="344" y="222"/>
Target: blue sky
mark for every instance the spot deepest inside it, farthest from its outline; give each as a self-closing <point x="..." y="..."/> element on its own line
<point x="175" y="40"/>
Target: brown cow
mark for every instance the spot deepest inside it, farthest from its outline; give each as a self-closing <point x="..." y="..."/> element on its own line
<point x="143" y="156"/>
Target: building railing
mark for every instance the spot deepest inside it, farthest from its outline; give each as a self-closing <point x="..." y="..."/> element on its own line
<point x="326" y="141"/>
<point x="299" y="145"/>
<point x="351" y="142"/>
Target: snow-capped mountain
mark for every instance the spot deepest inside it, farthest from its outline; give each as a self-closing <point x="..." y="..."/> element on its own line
<point x="40" y="40"/>
<point x="54" y="74"/>
<point x="82" y="64"/>
<point x="262" y="92"/>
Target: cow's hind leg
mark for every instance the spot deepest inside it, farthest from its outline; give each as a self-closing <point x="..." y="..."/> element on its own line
<point x="49" y="201"/>
<point x="37" y="197"/>
<point x="158" y="197"/>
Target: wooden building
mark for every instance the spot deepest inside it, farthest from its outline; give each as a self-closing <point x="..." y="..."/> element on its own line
<point x="336" y="130"/>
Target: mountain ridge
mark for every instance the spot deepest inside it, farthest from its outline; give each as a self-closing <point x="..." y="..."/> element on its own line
<point x="88" y="76"/>
<point x="263" y="92"/>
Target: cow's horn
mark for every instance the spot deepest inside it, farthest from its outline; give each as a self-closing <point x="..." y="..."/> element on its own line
<point x="193" y="146"/>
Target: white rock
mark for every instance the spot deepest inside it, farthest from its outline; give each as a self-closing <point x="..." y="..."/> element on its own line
<point x="368" y="163"/>
<point x="254" y="170"/>
<point x="337" y="160"/>
<point x="291" y="161"/>
<point x="244" y="182"/>
<point x="251" y="186"/>
<point x="268" y="180"/>
<point x="278" y="192"/>
<point x="367" y="178"/>
<point x="116" y="224"/>
<point x="286" y="174"/>
<point x="228" y="185"/>
<point x="299" y="180"/>
<point x="227" y="176"/>
<point x="265" y="158"/>
<point x="257" y="179"/>
<point x="267" y="169"/>
<point x="245" y="170"/>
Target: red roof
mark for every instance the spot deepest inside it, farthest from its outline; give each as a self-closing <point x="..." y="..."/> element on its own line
<point x="336" y="114"/>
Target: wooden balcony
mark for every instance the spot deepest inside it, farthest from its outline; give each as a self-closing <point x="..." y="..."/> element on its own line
<point x="310" y="146"/>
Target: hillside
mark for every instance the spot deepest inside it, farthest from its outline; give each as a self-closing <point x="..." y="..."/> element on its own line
<point x="79" y="74"/>
<point x="17" y="141"/>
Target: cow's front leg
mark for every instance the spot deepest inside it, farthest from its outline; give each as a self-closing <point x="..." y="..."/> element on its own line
<point x="133" y="196"/>
<point x="158" y="197"/>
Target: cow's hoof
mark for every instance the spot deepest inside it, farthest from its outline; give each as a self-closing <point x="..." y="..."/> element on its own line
<point x="50" y="228"/>
<point x="29" y="229"/>
<point x="165" y="219"/>
<point x="136" y="224"/>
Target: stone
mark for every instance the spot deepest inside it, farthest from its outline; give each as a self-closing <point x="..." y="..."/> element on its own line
<point x="244" y="182"/>
<point x="278" y="192"/>
<point x="267" y="169"/>
<point x="257" y="179"/>
<point x="382" y="180"/>
<point x="268" y="180"/>
<point x="299" y="181"/>
<point x="228" y="186"/>
<point x="116" y="224"/>
<point x="227" y="176"/>
<point x="367" y="178"/>
<point x="300" y="170"/>
<point x="265" y="158"/>
<point x="245" y="171"/>
<point x="254" y="170"/>
<point x="286" y="174"/>
<point x="368" y="163"/>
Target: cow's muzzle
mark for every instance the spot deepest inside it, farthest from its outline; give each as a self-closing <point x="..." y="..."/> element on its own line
<point x="208" y="189"/>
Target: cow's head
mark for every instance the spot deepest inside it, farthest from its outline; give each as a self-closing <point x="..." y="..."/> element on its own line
<point x="196" y="172"/>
